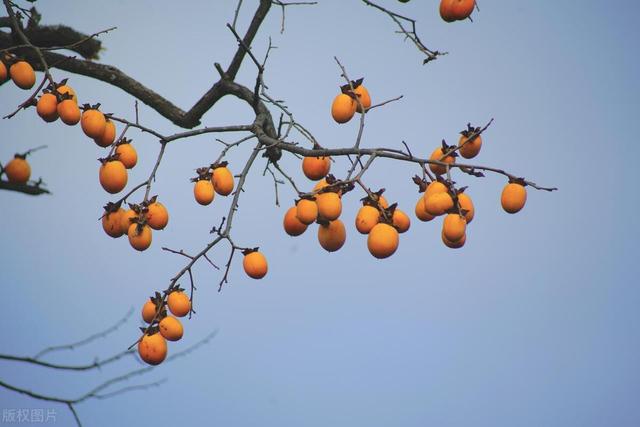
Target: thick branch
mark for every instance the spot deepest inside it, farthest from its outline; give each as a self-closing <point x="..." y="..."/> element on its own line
<point x="115" y="77"/>
<point x="31" y="189"/>
<point x="61" y="35"/>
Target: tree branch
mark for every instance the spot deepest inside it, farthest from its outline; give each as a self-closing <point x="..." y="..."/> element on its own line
<point x="30" y="189"/>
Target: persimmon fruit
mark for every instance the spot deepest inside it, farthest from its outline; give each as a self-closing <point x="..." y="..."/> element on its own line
<point x="316" y="168"/>
<point x="437" y="155"/>
<point x="421" y="212"/>
<point x="178" y="303"/>
<point x="18" y="170"/>
<point x="366" y="218"/>
<point x="467" y="204"/>
<point x="112" y="223"/>
<point x="47" y="107"/>
<point x="513" y="197"/>
<point x="126" y="218"/>
<point x="454" y="227"/>
<point x="383" y="240"/>
<point x="93" y="123"/>
<point x="307" y="211"/>
<point x="157" y="216"/>
<point x="332" y="236"/>
<point x="22" y="74"/>
<point x="108" y="136"/>
<point x="66" y="89"/>
<point x="437" y="204"/>
<point x="292" y="225"/>
<point x="255" y="265"/>
<point x="127" y="154"/>
<point x="203" y="192"/>
<point x="469" y="148"/>
<point x="148" y="311"/>
<point x="222" y="180"/>
<point x="69" y="112"/>
<point x="3" y="72"/>
<point x="382" y="201"/>
<point x="140" y="236"/>
<point x="365" y="99"/>
<point x="329" y="205"/>
<point x="153" y="349"/>
<point x="113" y="176"/>
<point x="401" y="221"/>
<point x="171" y="328"/>
<point x="343" y="108"/>
<point x="435" y="187"/>
<point x="456" y="10"/>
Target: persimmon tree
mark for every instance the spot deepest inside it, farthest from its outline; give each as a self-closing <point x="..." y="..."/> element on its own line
<point x="136" y="209"/>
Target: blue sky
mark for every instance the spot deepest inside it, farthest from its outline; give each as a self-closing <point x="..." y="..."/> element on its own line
<point x="532" y="323"/>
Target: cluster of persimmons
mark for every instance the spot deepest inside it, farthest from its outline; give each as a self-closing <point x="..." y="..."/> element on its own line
<point x="152" y="347"/>
<point x="21" y="73"/>
<point x="380" y="221"/>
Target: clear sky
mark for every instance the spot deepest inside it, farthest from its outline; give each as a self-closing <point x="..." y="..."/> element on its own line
<point x="533" y="323"/>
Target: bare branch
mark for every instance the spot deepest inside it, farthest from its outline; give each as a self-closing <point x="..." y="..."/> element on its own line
<point x="87" y="340"/>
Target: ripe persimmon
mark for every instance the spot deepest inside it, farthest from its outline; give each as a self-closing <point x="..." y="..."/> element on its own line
<point x="316" y="168"/>
<point x="22" y="74"/>
<point x="445" y="11"/>
<point x="148" y="311"/>
<point x="292" y="225"/>
<point x="469" y="148"/>
<point x="108" y="136"/>
<point x="113" y="176"/>
<point x="171" y="328"/>
<point x="437" y="155"/>
<point x="3" y="72"/>
<point x="453" y="245"/>
<point x="93" y="123"/>
<point x="461" y="9"/>
<point x="513" y="197"/>
<point x="127" y="155"/>
<point x="438" y="203"/>
<point x="18" y="170"/>
<point x="222" y="180"/>
<point x="343" y="108"/>
<point x="307" y="211"/>
<point x="255" y="265"/>
<point x="367" y="218"/>
<point x="139" y="236"/>
<point x="466" y="204"/>
<point x="454" y="227"/>
<point x="179" y="303"/>
<point x="47" y="107"/>
<point x="421" y="211"/>
<point x="66" y="89"/>
<point x="112" y="223"/>
<point x="383" y="240"/>
<point x="382" y="201"/>
<point x="456" y="10"/>
<point x="435" y="187"/>
<point x="126" y="219"/>
<point x="203" y="191"/>
<point x="363" y="95"/>
<point x="152" y="348"/>
<point x="69" y="112"/>
<point x="329" y="205"/>
<point x="332" y="236"/>
<point x="401" y="221"/>
<point x="157" y="216"/>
